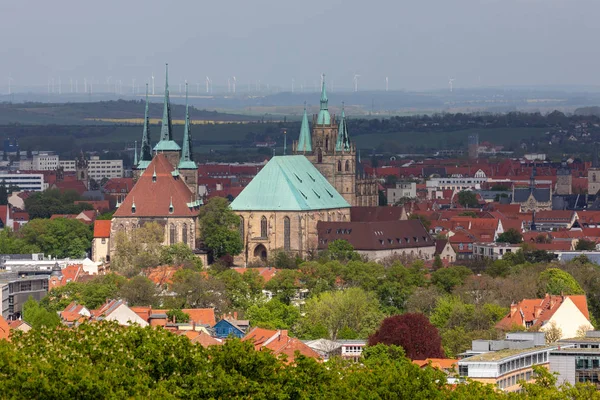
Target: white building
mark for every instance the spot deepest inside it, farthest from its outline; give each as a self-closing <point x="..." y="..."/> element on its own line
<point x="493" y="250"/>
<point x="97" y="168"/>
<point x="43" y="162"/>
<point x="402" y="190"/>
<point x="456" y="183"/>
<point x="24" y="181"/>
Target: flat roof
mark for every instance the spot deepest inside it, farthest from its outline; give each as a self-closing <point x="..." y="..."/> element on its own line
<point x="572" y="350"/>
<point x="581" y="340"/>
<point x="505" y="353"/>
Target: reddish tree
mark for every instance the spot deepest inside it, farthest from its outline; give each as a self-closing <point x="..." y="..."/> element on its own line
<point x="413" y="331"/>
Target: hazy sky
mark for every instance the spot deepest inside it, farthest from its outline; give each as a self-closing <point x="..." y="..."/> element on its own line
<point x="419" y="44"/>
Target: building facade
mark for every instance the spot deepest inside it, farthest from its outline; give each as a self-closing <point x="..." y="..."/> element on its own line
<point x="24" y="181"/>
<point x="564" y="180"/>
<point x="329" y="148"/>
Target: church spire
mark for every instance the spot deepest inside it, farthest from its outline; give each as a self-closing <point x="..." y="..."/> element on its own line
<point x="323" y="118"/>
<point x="343" y="140"/>
<point x="166" y="142"/>
<point x="187" y="160"/>
<point x="304" y="141"/>
<point x="146" y="149"/>
<point x="135" y="160"/>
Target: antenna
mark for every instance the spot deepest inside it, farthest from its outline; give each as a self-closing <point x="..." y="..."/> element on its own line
<point x="153" y="83"/>
<point x="387" y="84"/>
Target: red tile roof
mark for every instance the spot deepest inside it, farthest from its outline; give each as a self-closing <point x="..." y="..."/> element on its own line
<point x="279" y="343"/>
<point x="201" y="316"/>
<point x="266" y="272"/>
<point x="162" y="275"/>
<point x="4" y="329"/>
<point x="203" y="339"/>
<point x="102" y="228"/>
<point x="153" y="196"/>
<point x="118" y="185"/>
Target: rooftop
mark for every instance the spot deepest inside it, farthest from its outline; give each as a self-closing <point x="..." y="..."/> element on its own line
<point x="506" y="353"/>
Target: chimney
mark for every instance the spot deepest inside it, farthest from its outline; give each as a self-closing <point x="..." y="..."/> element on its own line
<point x="235" y="314"/>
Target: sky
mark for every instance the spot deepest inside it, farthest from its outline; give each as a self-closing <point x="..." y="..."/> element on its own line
<point x="417" y="44"/>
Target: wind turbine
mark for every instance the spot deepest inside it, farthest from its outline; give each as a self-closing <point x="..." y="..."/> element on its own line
<point x="207" y="84"/>
<point x="52" y="85"/>
<point x="133" y="85"/>
<point x="108" y="78"/>
<point x="152" y="83"/>
<point x="450" y="83"/>
<point x="234" y="82"/>
<point x="356" y="76"/>
<point x="84" y="85"/>
<point x="387" y="84"/>
<point x="76" y="85"/>
<point x="71" y="83"/>
<point x="228" y="85"/>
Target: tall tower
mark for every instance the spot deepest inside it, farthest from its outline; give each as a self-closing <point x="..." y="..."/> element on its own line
<point x="187" y="167"/>
<point x="146" y="148"/>
<point x="594" y="174"/>
<point x="81" y="169"/>
<point x="167" y="145"/>
<point x="564" y="179"/>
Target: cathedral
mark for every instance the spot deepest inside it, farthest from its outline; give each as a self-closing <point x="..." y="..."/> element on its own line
<point x="166" y="181"/>
<point x="330" y="150"/>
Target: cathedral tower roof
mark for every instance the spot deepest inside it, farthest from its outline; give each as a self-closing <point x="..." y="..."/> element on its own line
<point x="187" y="160"/>
<point x="146" y="149"/>
<point x="305" y="140"/>
<point x="343" y="139"/>
<point x="324" y="118"/>
<point x="166" y="142"/>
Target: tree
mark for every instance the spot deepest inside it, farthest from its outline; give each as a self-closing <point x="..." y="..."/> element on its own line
<point x="137" y="249"/>
<point x="180" y="254"/>
<point x="3" y="194"/>
<point x="195" y="290"/>
<point x="511" y="236"/>
<point x="273" y="315"/>
<point x="467" y="199"/>
<point x="38" y="317"/>
<point x="242" y="290"/>
<point x="178" y="316"/>
<point x="552" y="333"/>
<point x="53" y="201"/>
<point x="139" y="291"/>
<point x="59" y="237"/>
<point x="582" y="244"/>
<point x="450" y="277"/>
<point x="352" y="310"/>
<point x="219" y="228"/>
<point x="437" y="262"/>
<point x="342" y="250"/>
<point x="555" y="281"/>
<point x="413" y="332"/>
<point x="284" y="285"/>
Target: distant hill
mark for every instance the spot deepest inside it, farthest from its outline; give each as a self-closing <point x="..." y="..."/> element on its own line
<point x="78" y="113"/>
<point x="587" y="111"/>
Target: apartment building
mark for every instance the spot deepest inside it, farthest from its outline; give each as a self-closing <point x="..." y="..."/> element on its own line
<point x="97" y="168"/>
<point x="24" y="181"/>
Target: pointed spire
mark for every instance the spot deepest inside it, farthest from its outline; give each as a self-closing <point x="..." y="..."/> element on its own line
<point x="187" y="158"/>
<point x="146" y="148"/>
<point x="166" y="142"/>
<point x="304" y="141"/>
<point x="135" y="160"/>
<point x="343" y="140"/>
<point x="323" y="118"/>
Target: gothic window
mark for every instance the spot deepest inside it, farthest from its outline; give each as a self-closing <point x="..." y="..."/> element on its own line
<point x="286" y="234"/>
<point x="242" y="228"/>
<point x="347" y="165"/>
<point x="339" y="166"/>
<point x="327" y="143"/>
<point x="172" y="234"/>
<point x="263" y="227"/>
<point x="184" y="234"/>
<point x="319" y="155"/>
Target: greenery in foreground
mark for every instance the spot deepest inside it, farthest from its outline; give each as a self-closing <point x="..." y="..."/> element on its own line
<point x="104" y="360"/>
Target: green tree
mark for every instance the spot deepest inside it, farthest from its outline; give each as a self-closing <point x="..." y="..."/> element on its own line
<point x="556" y="281"/>
<point x="352" y="309"/>
<point x="139" y="291"/>
<point x="11" y="243"/>
<point x="53" y="201"/>
<point x="180" y="254"/>
<point x="342" y="250"/>
<point x="448" y="278"/>
<point x="178" y="316"/>
<point x="193" y="289"/>
<point x="242" y="290"/>
<point x="137" y="249"/>
<point x="284" y="285"/>
<point x="273" y="315"/>
<point x="59" y="237"/>
<point x="582" y="244"/>
<point x="437" y="262"/>
<point x="3" y="194"/>
<point x="37" y="316"/>
<point x="468" y="199"/>
<point x="511" y="236"/>
<point x="219" y="228"/>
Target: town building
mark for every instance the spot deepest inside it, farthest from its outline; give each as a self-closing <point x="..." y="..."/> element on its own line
<point x="532" y="198"/>
<point x="577" y="360"/>
<point x="564" y="180"/>
<point x="569" y="313"/>
<point x="330" y="150"/>
<point x="16" y="288"/>
<point x="96" y="168"/>
<point x="378" y="240"/>
<point x="279" y="342"/>
<point x="593" y="174"/>
<point x="101" y="241"/>
<point x="281" y="206"/>
<point x="493" y="250"/>
<point x="403" y="190"/>
<point x="24" y="181"/>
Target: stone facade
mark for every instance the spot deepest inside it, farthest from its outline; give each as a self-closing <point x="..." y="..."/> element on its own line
<point x="564" y="180"/>
<point x="292" y="231"/>
<point x="100" y="249"/>
<point x="593" y="180"/>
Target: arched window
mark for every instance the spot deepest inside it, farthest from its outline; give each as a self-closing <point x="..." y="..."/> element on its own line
<point x="319" y="155"/>
<point x="339" y="166"/>
<point x="184" y="234"/>
<point x="327" y="143"/>
<point x="286" y="234"/>
<point x="347" y="165"/>
<point x="172" y="234"/>
<point x="263" y="227"/>
<point x="242" y="228"/>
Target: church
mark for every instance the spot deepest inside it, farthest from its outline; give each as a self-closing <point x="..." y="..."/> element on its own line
<point x="165" y="189"/>
<point x="281" y="207"/>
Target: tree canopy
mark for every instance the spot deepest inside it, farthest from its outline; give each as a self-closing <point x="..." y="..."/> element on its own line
<point x="219" y="228"/>
<point x="511" y="236"/>
<point x="468" y="199"/>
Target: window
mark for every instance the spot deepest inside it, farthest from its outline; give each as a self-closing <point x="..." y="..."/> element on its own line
<point x="319" y="156"/>
<point x="184" y="234"/>
<point x="347" y="167"/>
<point x="286" y="234"/>
<point x="339" y="166"/>
<point x="103" y="240"/>
<point x="242" y="228"/>
<point x="172" y="234"/>
<point x="263" y="227"/>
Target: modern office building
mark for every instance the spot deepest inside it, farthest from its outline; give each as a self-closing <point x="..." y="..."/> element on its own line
<point x="24" y="181"/>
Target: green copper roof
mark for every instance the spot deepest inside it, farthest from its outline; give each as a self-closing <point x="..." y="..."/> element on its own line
<point x="304" y="141"/>
<point x="166" y="142"/>
<point x="343" y="140"/>
<point x="288" y="183"/>
<point x="143" y="164"/>
<point x="187" y="161"/>
<point x="135" y="160"/>
<point x="146" y="150"/>
<point x="324" y="118"/>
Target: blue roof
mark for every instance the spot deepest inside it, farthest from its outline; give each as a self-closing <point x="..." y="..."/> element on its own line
<point x="288" y="183"/>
